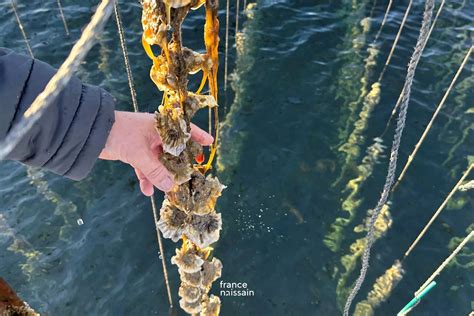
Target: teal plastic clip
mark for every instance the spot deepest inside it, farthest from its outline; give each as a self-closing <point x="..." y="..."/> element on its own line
<point x="416" y="299"/>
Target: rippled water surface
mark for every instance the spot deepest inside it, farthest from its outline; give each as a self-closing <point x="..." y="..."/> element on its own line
<point x="296" y="85"/>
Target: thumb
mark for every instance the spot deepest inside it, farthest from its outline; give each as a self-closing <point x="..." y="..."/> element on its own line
<point x="156" y="173"/>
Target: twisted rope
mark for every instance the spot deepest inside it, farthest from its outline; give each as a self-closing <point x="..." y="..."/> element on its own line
<point x="59" y="80"/>
<point x="415" y="58"/>
<point x="22" y="29"/>
<point x="226" y="58"/>
<point x="133" y="93"/>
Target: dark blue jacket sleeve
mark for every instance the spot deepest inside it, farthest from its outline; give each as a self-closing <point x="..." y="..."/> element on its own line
<point x="71" y="133"/>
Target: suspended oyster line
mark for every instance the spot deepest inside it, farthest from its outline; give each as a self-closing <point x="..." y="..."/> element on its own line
<point x="427" y="15"/>
<point x="63" y="18"/>
<point x="133" y="95"/>
<point x="412" y="155"/>
<point x="188" y="210"/>
<point x="22" y="29"/>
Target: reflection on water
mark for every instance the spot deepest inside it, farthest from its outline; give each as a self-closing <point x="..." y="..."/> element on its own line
<point x="300" y="77"/>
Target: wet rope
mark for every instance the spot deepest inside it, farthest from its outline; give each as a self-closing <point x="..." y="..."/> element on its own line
<point x="226" y="58"/>
<point x="61" y="13"/>
<point x="415" y="58"/>
<point x="430" y="124"/>
<point x="394" y="45"/>
<point x="395" y="108"/>
<point x="387" y="11"/>
<point x="438" y="211"/>
<point x="237" y="17"/>
<point x="133" y="94"/>
<point x="445" y="263"/>
<point x="60" y="79"/>
<point x="22" y="29"/>
<point x="123" y="45"/>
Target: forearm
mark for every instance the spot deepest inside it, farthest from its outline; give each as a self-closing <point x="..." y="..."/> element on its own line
<point x="73" y="130"/>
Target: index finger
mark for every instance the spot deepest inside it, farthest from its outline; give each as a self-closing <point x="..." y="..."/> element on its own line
<point x="201" y="136"/>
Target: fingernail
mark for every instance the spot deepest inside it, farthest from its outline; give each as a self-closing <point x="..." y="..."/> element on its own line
<point x="167" y="184"/>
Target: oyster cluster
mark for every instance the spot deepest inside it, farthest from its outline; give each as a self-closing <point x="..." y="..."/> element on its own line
<point x="197" y="274"/>
<point x="188" y="210"/>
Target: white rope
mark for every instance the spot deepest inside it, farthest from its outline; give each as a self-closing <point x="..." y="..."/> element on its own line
<point x="415" y="58"/>
<point x="226" y="57"/>
<point x="61" y="13"/>
<point x="22" y="29"/>
<point x="445" y="263"/>
<point x="60" y="79"/>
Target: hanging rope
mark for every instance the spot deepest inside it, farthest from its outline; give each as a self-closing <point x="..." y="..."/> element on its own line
<point x="438" y="211"/>
<point x="133" y="94"/>
<point x="430" y="124"/>
<point x="61" y="13"/>
<point x="395" y="108"/>
<point x="415" y="58"/>
<point x="400" y="29"/>
<point x="60" y="79"/>
<point x="445" y="263"/>
<point x="22" y="29"/>
<point x="227" y="9"/>
<point x="237" y="17"/>
<point x="389" y="6"/>
<point x="123" y="45"/>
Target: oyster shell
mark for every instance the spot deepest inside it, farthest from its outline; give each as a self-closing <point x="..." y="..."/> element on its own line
<point x="204" y="230"/>
<point x="190" y="308"/>
<point x="172" y="221"/>
<point x="187" y="260"/>
<point x="211" y="306"/>
<point x="189" y="293"/>
<point x="179" y="166"/>
<point x="193" y="279"/>
<point x="199" y="196"/>
<point x="172" y="128"/>
<point x="211" y="271"/>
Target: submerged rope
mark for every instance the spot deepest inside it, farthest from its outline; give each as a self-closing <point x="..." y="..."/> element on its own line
<point x="387" y="11"/>
<point x="394" y="45"/>
<point x="237" y="17"/>
<point x="61" y="13"/>
<point x="438" y="211"/>
<point x="60" y="79"/>
<point x="415" y="58"/>
<point x="133" y="94"/>
<point x="226" y="42"/>
<point x="445" y="263"/>
<point x="430" y="124"/>
<point x="22" y="29"/>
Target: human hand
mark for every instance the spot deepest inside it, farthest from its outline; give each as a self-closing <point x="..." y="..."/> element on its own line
<point x="134" y="140"/>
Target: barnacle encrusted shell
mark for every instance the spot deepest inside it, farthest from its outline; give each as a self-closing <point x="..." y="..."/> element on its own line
<point x="179" y="166"/>
<point x="193" y="279"/>
<point x="172" y="128"/>
<point x="204" y="230"/>
<point x="211" y="306"/>
<point x="199" y="196"/>
<point x="187" y="260"/>
<point x="190" y="308"/>
<point x="172" y="221"/>
<point x="211" y="271"/>
<point x="189" y="293"/>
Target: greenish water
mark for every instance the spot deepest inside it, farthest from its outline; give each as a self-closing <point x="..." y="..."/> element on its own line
<point x="295" y="82"/>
